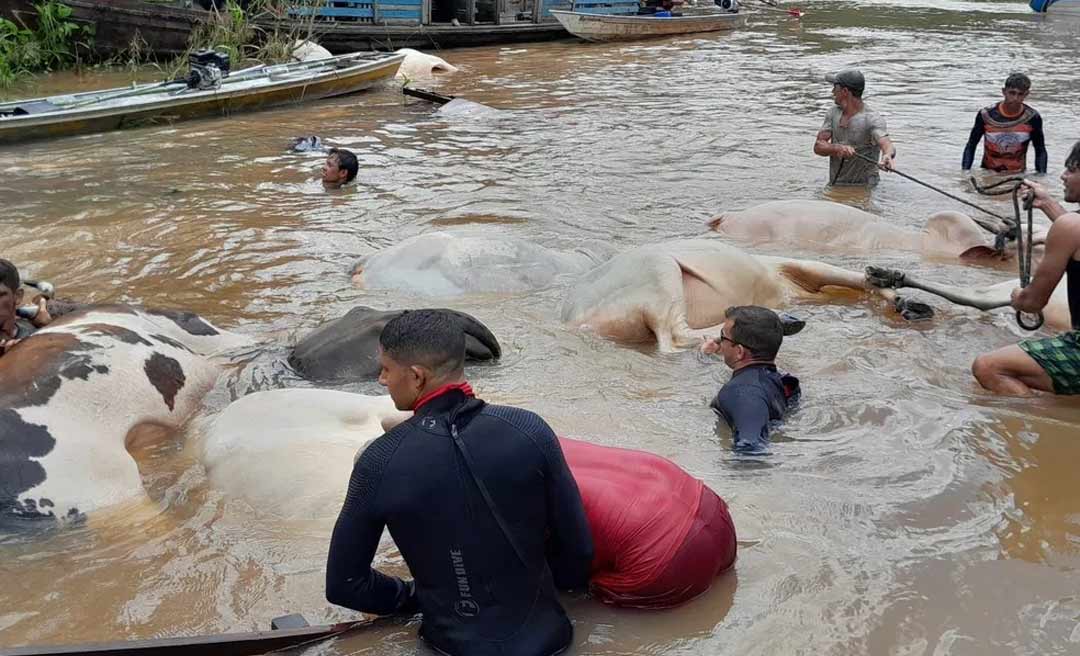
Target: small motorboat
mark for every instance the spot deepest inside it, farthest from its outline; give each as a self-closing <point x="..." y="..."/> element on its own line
<point x="1056" y="7"/>
<point x="618" y="20"/>
<point x="209" y="89"/>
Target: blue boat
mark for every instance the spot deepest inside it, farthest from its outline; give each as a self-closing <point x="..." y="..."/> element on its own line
<point x="1056" y="7"/>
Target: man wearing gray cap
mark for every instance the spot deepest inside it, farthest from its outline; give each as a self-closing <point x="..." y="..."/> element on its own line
<point x="852" y="128"/>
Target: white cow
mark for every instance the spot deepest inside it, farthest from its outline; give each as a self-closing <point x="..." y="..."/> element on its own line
<point x="826" y="225"/>
<point x="446" y="264"/>
<point x="422" y="66"/>
<point x="289" y="453"/>
<point x="676" y="292"/>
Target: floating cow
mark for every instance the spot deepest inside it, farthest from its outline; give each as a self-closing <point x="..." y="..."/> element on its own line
<point x="676" y="292"/>
<point x="288" y="453"/>
<point x="346" y="349"/>
<point x="826" y="225"/>
<point x="421" y="66"/>
<point x="74" y="395"/>
<point x="442" y="264"/>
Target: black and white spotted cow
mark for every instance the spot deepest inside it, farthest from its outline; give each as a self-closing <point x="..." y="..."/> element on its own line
<point x="73" y="396"/>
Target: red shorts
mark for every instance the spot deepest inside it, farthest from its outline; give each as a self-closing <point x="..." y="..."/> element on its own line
<point x="708" y="549"/>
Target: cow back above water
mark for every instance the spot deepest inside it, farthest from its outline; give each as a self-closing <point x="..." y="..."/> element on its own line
<point x="446" y="264"/>
<point x="75" y="393"/>
<point x="289" y="453"/>
<point x="347" y="348"/>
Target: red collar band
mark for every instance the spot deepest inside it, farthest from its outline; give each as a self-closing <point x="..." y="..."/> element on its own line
<point x="464" y="387"/>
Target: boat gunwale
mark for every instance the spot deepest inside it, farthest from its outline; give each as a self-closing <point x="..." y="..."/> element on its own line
<point x="633" y="19"/>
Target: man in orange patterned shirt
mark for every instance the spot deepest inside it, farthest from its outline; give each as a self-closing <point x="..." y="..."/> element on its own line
<point x="1006" y="129"/>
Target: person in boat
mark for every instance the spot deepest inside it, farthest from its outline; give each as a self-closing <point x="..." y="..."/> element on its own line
<point x="478" y="498"/>
<point x="14" y="328"/>
<point x="659" y="9"/>
<point x="1006" y="129"/>
<point x="1051" y="364"/>
<point x="660" y="535"/>
<point x="851" y="128"/>
<point x="340" y="168"/>
<point x="758" y="394"/>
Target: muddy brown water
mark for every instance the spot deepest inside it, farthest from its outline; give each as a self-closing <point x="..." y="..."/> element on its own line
<point x="903" y="510"/>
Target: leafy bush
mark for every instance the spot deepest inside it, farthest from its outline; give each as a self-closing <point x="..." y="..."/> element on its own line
<point x="55" y="43"/>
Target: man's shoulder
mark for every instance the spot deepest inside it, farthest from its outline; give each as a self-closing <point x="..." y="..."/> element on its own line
<point x="870" y="114"/>
<point x="520" y="418"/>
<point x="740" y="387"/>
<point x="376" y="456"/>
<point x="1070" y="221"/>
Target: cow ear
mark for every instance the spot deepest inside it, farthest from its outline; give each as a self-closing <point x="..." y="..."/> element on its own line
<point x="981" y="254"/>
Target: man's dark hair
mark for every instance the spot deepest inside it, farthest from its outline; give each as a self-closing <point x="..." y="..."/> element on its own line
<point x="756" y="328"/>
<point x="1072" y="162"/>
<point x="1018" y="81"/>
<point x="345" y="160"/>
<point x="9" y="275"/>
<point x="430" y="338"/>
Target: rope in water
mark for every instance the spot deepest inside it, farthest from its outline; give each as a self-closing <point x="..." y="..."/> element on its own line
<point x="994" y="229"/>
<point x="1023" y="250"/>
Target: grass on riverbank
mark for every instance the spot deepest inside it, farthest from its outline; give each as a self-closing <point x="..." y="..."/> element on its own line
<point x="238" y="32"/>
<point x="56" y="42"/>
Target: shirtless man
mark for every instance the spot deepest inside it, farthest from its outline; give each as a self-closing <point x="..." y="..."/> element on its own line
<point x="1051" y="364"/>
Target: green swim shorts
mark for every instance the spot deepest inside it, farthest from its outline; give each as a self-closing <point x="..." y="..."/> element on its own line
<point x="1059" y="356"/>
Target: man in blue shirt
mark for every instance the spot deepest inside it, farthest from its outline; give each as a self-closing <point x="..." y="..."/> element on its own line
<point x="757" y="393"/>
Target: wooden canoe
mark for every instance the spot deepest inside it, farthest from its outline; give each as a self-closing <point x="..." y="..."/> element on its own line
<point x="225" y="644"/>
<point x="245" y="90"/>
<point x="614" y="27"/>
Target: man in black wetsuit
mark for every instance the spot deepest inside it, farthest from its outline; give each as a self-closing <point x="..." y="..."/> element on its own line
<point x="478" y="499"/>
<point x="757" y="393"/>
<point x="1051" y="364"/>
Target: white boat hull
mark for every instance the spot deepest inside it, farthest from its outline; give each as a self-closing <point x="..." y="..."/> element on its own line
<point x="606" y="27"/>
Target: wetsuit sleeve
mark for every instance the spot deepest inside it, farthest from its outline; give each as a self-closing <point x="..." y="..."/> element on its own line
<point x="746" y="411"/>
<point x="570" y="547"/>
<point x="1039" y="141"/>
<point x="350" y="580"/>
<point x="977" y="132"/>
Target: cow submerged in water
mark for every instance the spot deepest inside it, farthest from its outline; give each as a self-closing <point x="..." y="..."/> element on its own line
<point x="77" y="392"/>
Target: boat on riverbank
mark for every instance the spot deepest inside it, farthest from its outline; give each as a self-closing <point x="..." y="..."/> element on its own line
<point x="249" y="89"/>
<point x="341" y="26"/>
<point x="1056" y="7"/>
<point x="625" y="27"/>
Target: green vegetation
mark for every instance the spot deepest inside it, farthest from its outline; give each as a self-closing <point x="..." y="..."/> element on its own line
<point x="241" y="34"/>
<point x="256" y="34"/>
<point x="56" y="42"/>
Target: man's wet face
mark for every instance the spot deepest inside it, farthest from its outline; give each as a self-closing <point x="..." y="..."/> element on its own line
<point x="400" y="381"/>
<point x="9" y="301"/>
<point x="332" y="173"/>
<point x="1071" y="182"/>
<point x="1014" y="97"/>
